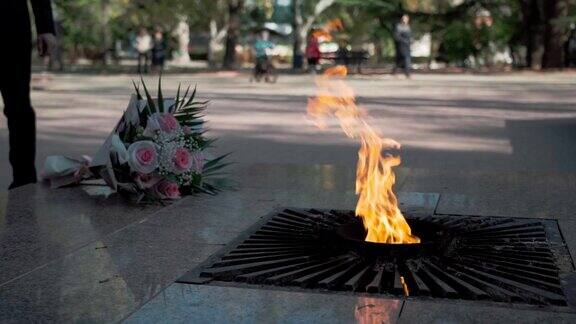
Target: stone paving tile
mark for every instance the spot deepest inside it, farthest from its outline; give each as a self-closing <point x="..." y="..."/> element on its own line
<point x="181" y="303"/>
<point x="513" y="194"/>
<point x="39" y="225"/>
<point x="568" y="230"/>
<point x="106" y="280"/>
<point x="430" y="312"/>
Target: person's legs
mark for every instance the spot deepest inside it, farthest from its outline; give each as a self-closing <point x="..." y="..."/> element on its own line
<point x="146" y="58"/>
<point x="407" y="65"/>
<point x="139" y="63"/>
<point x="142" y="63"/>
<point x="15" y="89"/>
<point x="397" y="63"/>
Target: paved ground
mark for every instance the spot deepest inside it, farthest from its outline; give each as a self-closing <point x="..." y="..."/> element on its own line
<point x="449" y="123"/>
<point x="474" y="145"/>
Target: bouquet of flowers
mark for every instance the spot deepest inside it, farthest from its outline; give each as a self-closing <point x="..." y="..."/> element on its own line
<point x="155" y="152"/>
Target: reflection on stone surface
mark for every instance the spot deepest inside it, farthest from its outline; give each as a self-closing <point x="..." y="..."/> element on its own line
<point x="213" y="304"/>
<point x="97" y="188"/>
<point x="376" y="311"/>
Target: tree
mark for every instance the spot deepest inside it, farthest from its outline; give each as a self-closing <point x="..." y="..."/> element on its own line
<point x="305" y="15"/>
<point x="234" y="25"/>
<point x="555" y="33"/>
<point x="78" y="19"/>
<point x="546" y="30"/>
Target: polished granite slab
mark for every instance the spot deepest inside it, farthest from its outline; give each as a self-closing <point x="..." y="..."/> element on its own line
<point x="182" y="303"/>
<point x="108" y="279"/>
<point x="39" y="225"/>
<point x="435" y="312"/>
<point x="83" y="255"/>
<point x="73" y="256"/>
<point x="491" y="193"/>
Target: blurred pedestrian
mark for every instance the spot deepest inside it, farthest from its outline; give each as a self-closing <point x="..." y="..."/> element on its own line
<point x="313" y="52"/>
<point x="262" y="47"/>
<point x="571" y="47"/>
<point x="343" y="53"/>
<point x="15" y="70"/>
<point x="158" y="51"/>
<point x="143" y="44"/>
<point x="402" y="36"/>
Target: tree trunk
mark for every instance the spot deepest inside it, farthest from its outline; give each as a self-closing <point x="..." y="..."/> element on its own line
<point x="234" y="24"/>
<point x="297" y="25"/>
<point x="533" y="25"/>
<point x="554" y="34"/>
<point x="106" y="33"/>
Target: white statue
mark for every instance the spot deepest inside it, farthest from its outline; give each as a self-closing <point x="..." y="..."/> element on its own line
<point x="182" y="33"/>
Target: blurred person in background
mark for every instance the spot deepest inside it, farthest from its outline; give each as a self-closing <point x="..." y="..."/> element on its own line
<point x="343" y="53"/>
<point x="571" y="47"/>
<point x="143" y="44"/>
<point x="261" y="47"/>
<point x="402" y="36"/>
<point x="158" y="51"/>
<point x="313" y="52"/>
<point x="15" y="70"/>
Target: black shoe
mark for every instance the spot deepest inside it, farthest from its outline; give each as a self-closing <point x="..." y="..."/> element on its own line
<point x="21" y="183"/>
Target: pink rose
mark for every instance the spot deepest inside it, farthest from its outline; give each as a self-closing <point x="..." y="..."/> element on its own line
<point x="165" y="122"/>
<point x="142" y="157"/>
<point x="197" y="161"/>
<point x="182" y="160"/>
<point x="168" y="123"/>
<point x="167" y="190"/>
<point x="145" y="181"/>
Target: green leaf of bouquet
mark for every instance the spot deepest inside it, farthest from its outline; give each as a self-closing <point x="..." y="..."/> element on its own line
<point x="192" y="96"/>
<point x="193" y="124"/>
<point x="138" y="95"/>
<point x="160" y="97"/>
<point x="193" y="103"/>
<point x="215" y="161"/>
<point x="201" y="189"/>
<point x="212" y="170"/>
<point x="148" y="97"/>
<point x="191" y="116"/>
<point x="184" y="98"/>
<point x="175" y="105"/>
<point x="200" y="105"/>
<point x="187" y="121"/>
<point x="211" y="175"/>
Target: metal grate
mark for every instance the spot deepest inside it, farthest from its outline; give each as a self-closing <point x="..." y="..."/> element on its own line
<point x="477" y="258"/>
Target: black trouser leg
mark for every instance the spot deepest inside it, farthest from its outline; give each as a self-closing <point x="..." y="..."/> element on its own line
<point x="142" y="62"/>
<point x="397" y="63"/>
<point x="407" y="64"/>
<point x="15" y="89"/>
<point x="139" y="63"/>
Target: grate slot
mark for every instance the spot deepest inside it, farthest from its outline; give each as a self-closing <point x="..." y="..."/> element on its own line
<point x="471" y="257"/>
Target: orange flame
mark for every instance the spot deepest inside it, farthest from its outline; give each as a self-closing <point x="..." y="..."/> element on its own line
<point x="377" y="205"/>
<point x="325" y="32"/>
